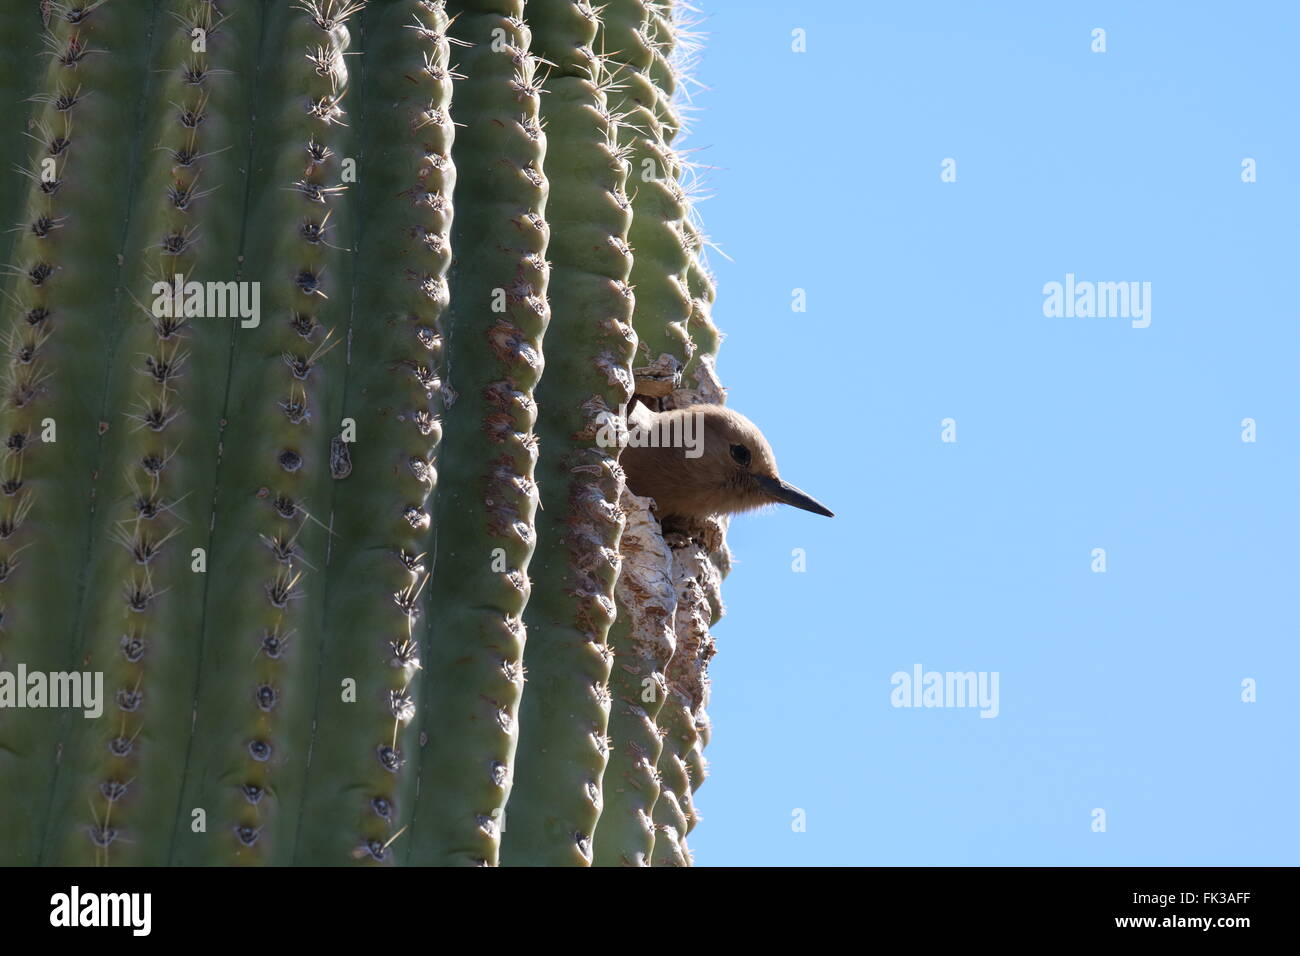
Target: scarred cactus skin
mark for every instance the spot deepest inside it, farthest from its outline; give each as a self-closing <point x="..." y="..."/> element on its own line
<point x="336" y="526"/>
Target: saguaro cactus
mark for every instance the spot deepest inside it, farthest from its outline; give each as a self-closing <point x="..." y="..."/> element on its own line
<point x="315" y="314"/>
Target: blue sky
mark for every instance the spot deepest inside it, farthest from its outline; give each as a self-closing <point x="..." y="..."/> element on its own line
<point x="1118" y="690"/>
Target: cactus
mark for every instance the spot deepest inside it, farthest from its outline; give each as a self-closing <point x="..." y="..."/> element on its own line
<point x="314" y="315"/>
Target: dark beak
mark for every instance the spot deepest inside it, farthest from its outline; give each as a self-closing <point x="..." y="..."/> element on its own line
<point x="790" y="495"/>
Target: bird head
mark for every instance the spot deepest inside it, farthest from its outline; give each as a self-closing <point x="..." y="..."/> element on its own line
<point x="726" y="466"/>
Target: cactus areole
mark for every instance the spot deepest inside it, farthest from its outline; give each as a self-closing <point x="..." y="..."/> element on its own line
<point x="312" y="548"/>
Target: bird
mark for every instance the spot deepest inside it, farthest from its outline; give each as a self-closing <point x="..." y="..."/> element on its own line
<point x="705" y="460"/>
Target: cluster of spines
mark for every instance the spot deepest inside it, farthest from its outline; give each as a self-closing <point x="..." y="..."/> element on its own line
<point x="26" y="374"/>
<point x="33" y="272"/>
<point x="637" y="36"/>
<point x="32" y="304"/>
<point x="418" y="364"/>
<point x="248" y="758"/>
<point x="487" y="496"/>
<point x="563" y="749"/>
<point x="59" y="328"/>
<point x="703" y="290"/>
<point x="310" y="451"/>
<point x="361" y="793"/>
<point x="144" y="502"/>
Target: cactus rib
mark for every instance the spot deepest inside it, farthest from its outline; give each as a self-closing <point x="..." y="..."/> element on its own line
<point x="565" y="710"/>
<point x="487" y="497"/>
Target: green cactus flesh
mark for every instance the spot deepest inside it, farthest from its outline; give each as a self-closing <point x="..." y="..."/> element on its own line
<point x="316" y="317"/>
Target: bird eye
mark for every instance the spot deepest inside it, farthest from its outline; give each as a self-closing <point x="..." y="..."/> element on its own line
<point x="741" y="454"/>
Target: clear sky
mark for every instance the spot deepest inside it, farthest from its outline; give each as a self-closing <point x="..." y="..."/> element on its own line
<point x="1120" y="690"/>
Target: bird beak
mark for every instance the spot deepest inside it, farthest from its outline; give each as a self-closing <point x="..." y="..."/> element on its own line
<point x="790" y="495"/>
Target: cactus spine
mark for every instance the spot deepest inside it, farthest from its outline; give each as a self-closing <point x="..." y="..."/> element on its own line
<point x="359" y="571"/>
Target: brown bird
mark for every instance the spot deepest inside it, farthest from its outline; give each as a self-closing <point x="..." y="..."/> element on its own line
<point x="705" y="460"/>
